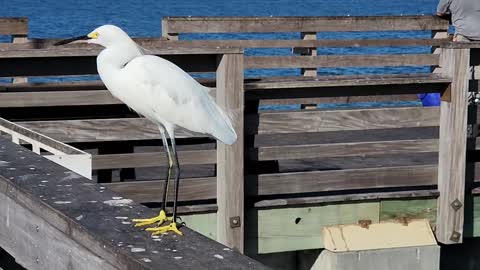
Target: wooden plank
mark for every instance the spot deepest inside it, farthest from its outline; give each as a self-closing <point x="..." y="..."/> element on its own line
<point x="194" y="189"/>
<point x="333" y="137"/>
<point x="301" y="24"/>
<point x="151" y="159"/>
<point x="284" y="43"/>
<point x="452" y="150"/>
<point x="82" y="61"/>
<point x="14" y="26"/>
<point x="335" y="120"/>
<point x="340" y="100"/>
<point x="331" y="180"/>
<point x="202" y="223"/>
<point x="462" y="45"/>
<point x="230" y="158"/>
<point x="18" y="39"/>
<point x="254" y="43"/>
<point x="267" y="229"/>
<point x="57" y="98"/>
<point x="253" y="62"/>
<point x="343" y="149"/>
<point x="312" y="51"/>
<point x="472" y="228"/>
<point x="93" y="218"/>
<point x="349" y="197"/>
<point x="53" y="86"/>
<point x="60" y="52"/>
<point x="293" y="82"/>
<point x="406" y="210"/>
<point x="98" y="130"/>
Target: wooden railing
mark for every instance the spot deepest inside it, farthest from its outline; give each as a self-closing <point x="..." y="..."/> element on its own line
<point x="98" y="127"/>
<point x="293" y="157"/>
<point x="308" y="27"/>
<point x="355" y="135"/>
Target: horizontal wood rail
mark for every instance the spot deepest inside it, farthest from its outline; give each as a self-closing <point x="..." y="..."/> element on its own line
<point x="14" y="26"/>
<point x="174" y="25"/>
<point x="336" y="120"/>
<point x="341" y="61"/>
<point x="269" y="184"/>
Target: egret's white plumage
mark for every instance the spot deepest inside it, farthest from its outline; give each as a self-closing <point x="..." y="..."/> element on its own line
<point x="162" y="92"/>
<point x="158" y="89"/>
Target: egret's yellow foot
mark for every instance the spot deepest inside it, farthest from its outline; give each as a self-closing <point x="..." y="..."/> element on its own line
<point x="163" y="229"/>
<point x="160" y="219"/>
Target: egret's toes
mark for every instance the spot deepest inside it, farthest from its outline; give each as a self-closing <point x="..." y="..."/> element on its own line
<point x="160" y="219"/>
<point x="163" y="229"/>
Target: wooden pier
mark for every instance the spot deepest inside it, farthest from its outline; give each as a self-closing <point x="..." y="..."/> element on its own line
<point x="297" y="168"/>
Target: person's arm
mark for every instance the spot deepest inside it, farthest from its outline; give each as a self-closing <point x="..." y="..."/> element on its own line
<point x="443" y="8"/>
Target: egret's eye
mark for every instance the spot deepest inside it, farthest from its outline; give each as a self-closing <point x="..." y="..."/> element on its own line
<point x="93" y="35"/>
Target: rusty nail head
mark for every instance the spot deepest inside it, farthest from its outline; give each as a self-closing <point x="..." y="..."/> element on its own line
<point x="234" y="222"/>
<point x="455" y="237"/>
<point x="456" y="204"/>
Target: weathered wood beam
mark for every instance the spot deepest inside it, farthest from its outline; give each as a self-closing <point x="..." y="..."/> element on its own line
<point x="343" y="149"/>
<point x="53" y="218"/>
<point x="341" y="61"/>
<point x="452" y="147"/>
<point x="158" y="42"/>
<point x="349" y="179"/>
<point x="150" y="191"/>
<point x="58" y="61"/>
<point x="334" y="120"/>
<point x="175" y="25"/>
<point x="230" y="158"/>
<point x="14" y="26"/>
<point x="151" y="159"/>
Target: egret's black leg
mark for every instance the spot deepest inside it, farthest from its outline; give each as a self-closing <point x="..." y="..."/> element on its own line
<point x="173" y="162"/>
<point x="162" y="216"/>
<point x="169" y="170"/>
<point x="176" y="167"/>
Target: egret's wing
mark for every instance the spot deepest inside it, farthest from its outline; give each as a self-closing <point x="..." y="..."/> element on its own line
<point x="176" y="97"/>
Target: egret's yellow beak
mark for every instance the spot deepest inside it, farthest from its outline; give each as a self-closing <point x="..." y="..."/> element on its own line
<point x="93" y="35"/>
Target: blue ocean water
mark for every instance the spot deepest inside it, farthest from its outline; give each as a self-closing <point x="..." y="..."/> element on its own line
<point x="53" y="18"/>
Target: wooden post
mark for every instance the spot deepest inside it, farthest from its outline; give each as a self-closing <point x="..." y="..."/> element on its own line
<point x="452" y="147"/>
<point x="435" y="49"/>
<point x="165" y="31"/>
<point x="230" y="158"/>
<point x="309" y="71"/>
<point x="19" y="39"/>
<point x="310" y="52"/>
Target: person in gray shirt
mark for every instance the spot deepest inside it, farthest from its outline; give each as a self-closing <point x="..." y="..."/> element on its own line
<point x="465" y="15"/>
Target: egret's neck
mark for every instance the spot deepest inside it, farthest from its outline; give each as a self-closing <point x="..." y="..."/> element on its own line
<point x="113" y="58"/>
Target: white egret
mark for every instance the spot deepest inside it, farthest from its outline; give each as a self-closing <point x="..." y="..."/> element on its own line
<point x="163" y="93"/>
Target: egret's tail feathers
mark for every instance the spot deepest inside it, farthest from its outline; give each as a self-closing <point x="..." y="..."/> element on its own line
<point x="222" y="128"/>
<point x="229" y="137"/>
<point x="225" y="133"/>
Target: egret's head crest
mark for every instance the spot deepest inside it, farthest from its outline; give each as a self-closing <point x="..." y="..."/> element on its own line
<point x="104" y="35"/>
<point x="107" y="35"/>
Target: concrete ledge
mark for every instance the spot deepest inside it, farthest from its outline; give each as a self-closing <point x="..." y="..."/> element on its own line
<point x="411" y="258"/>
